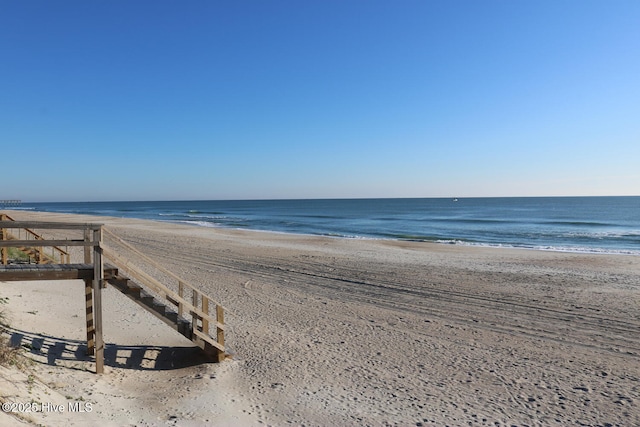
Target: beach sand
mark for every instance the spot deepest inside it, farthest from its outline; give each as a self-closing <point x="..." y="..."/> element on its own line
<point x="327" y="331"/>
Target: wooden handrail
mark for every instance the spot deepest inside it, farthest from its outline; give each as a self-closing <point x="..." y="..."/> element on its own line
<point x="15" y="243"/>
<point x="216" y="344"/>
<point x="50" y="225"/>
<point x="93" y="295"/>
<point x="7" y="222"/>
<point x="159" y="266"/>
<point x="158" y="287"/>
<point x="198" y="308"/>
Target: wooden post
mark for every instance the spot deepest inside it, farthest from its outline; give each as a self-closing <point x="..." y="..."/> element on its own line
<point x="181" y="294"/>
<point x="98" y="279"/>
<point x="87" y="249"/>
<point x="205" y="310"/>
<point x="88" y="298"/>
<point x="220" y="332"/>
<point x="194" y="302"/>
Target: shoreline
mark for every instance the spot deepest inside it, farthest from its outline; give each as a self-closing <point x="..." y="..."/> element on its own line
<point x="328" y="331"/>
<point x="453" y="241"/>
<point x="456" y="242"/>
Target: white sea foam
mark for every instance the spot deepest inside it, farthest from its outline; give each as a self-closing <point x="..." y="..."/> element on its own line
<point x="203" y="216"/>
<point x="570" y="249"/>
<point x="604" y="234"/>
<point x="202" y="223"/>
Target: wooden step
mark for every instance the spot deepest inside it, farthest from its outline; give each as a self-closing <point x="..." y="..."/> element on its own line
<point x="136" y="293"/>
<point x="164" y="312"/>
<point x="184" y="327"/>
<point x="126" y="286"/>
<point x="33" y="253"/>
<point x="152" y="305"/>
<point x="146" y="299"/>
<point x="171" y="315"/>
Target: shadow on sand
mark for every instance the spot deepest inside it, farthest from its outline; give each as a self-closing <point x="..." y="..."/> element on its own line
<point x="58" y="350"/>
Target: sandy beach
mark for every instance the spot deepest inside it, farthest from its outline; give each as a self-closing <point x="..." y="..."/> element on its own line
<point x="325" y="331"/>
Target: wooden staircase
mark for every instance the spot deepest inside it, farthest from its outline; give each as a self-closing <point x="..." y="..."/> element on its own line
<point x="35" y="252"/>
<point x="190" y="317"/>
<point x="154" y="306"/>
<point x="186" y="310"/>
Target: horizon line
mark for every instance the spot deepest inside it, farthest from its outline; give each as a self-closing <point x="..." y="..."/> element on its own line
<point x="319" y="198"/>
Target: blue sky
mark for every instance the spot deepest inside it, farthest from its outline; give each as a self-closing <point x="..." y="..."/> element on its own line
<point x="166" y="100"/>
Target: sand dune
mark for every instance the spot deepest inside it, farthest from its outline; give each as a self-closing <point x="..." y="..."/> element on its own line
<point x="351" y="332"/>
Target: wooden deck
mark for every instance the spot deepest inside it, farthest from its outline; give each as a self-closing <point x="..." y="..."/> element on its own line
<point x="25" y="272"/>
<point x="205" y="328"/>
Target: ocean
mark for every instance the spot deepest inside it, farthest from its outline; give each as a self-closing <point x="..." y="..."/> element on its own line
<point x="574" y="224"/>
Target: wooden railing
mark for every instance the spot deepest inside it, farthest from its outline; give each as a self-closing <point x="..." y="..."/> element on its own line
<point x="205" y="313"/>
<point x="207" y="316"/>
<point x="90" y="239"/>
<point x="58" y="254"/>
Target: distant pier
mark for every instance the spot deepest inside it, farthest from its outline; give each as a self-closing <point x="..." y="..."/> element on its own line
<point x="10" y="203"/>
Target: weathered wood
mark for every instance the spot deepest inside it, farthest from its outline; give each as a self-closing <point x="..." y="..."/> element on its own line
<point x="219" y="321"/>
<point x="181" y="295"/>
<point x="88" y="297"/>
<point x="87" y="248"/>
<point x="205" y="309"/>
<point x="94" y="277"/>
<point x="201" y="319"/>
<point x="98" y="280"/>
<point x="50" y="225"/>
<point x="156" y="286"/>
<point x="208" y="339"/>
<point x="154" y="263"/>
<point x="40" y="243"/>
<point x="194" y="318"/>
<point x="26" y="272"/>
<point x="64" y="255"/>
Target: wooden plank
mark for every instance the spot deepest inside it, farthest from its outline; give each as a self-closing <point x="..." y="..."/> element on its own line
<point x="194" y="318"/>
<point x="154" y="263"/>
<point x="40" y="243"/>
<point x="88" y="297"/>
<point x="50" y="225"/>
<point x="208" y="339"/>
<point x="19" y="275"/>
<point x="63" y="254"/>
<point x="87" y="249"/>
<point x="155" y="285"/>
<point x="98" y="280"/>
<point x="220" y="321"/>
<point x="26" y="272"/>
<point x="205" y="309"/>
<point x="181" y="295"/>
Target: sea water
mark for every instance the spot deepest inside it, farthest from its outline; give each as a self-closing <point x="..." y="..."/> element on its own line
<point x="577" y="224"/>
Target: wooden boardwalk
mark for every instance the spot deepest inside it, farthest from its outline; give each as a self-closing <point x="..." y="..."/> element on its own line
<point x="26" y="272"/>
<point x="150" y="294"/>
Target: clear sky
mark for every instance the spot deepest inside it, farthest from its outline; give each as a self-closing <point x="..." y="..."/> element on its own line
<point x="170" y="100"/>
